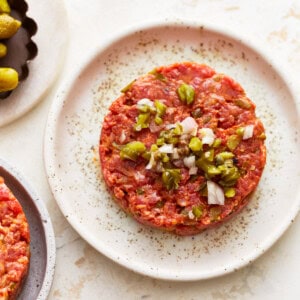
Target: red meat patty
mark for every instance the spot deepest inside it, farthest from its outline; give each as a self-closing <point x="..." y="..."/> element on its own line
<point x="182" y="148"/>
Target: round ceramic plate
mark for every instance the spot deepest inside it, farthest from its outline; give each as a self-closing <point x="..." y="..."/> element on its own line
<point x="72" y="162"/>
<point x="42" y="246"/>
<point x="50" y="17"/>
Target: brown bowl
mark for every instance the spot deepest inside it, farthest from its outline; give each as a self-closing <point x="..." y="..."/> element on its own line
<point x="20" y="47"/>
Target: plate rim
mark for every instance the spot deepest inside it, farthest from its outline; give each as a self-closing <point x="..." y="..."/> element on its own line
<point x="64" y="91"/>
<point x="47" y="227"/>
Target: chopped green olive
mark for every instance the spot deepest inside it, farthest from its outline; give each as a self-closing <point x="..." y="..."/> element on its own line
<point x="128" y="86"/>
<point x="212" y="171"/>
<point x="144" y="108"/>
<point x="222" y="156"/>
<point x="172" y="140"/>
<point x="197" y="211"/>
<point x="217" y="142"/>
<point x="160" y="141"/>
<point x="202" y="164"/>
<point x="132" y="150"/>
<point x="243" y="103"/>
<point x="171" y="178"/>
<point x="209" y="155"/>
<point x="186" y="93"/>
<point x="233" y="141"/>
<point x="229" y="192"/>
<point x="160" y="108"/>
<point x="164" y="157"/>
<point x="232" y="175"/>
<point x="158" y="120"/>
<point x="142" y="121"/>
<point x="146" y="155"/>
<point x="153" y="148"/>
<point x="157" y="75"/>
<point x="240" y="131"/>
<point x="178" y="129"/>
<point x="195" y="144"/>
<point x="227" y="184"/>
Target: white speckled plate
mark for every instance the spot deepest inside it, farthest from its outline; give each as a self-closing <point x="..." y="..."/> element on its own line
<point x="51" y="39"/>
<point x="42" y="245"/>
<point x="72" y="163"/>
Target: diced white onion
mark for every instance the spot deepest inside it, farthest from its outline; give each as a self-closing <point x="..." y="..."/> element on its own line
<point x="191" y="215"/>
<point x="166" y="148"/>
<point x="159" y="167"/>
<point x="189" y="161"/>
<point x="207" y="135"/>
<point x="248" y="132"/>
<point x="151" y="162"/>
<point x="175" y="154"/>
<point x="193" y="171"/>
<point x="170" y="126"/>
<point x="122" y="136"/>
<point x="178" y="163"/>
<point x="145" y="101"/>
<point x="189" y="125"/>
<point x="139" y="176"/>
<point x="215" y="193"/>
<point x="218" y="97"/>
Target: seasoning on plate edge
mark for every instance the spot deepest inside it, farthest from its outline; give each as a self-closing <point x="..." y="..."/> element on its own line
<point x="182" y="149"/>
<point x="14" y="244"/>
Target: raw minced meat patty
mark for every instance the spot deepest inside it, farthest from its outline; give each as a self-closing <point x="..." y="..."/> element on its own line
<point x="182" y="148"/>
<point x="14" y="244"/>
